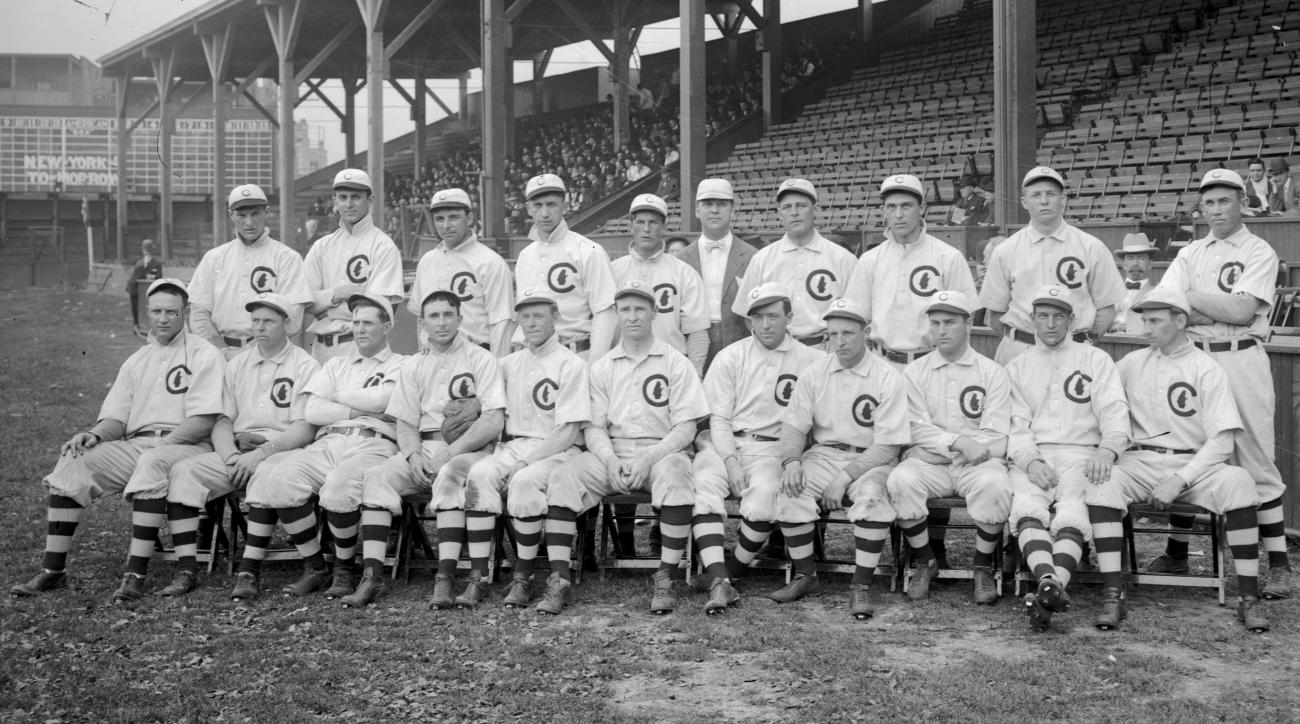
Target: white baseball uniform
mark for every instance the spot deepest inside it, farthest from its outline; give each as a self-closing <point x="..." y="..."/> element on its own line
<point x="815" y="274"/>
<point x="364" y="255"/>
<point x="680" y="303"/>
<point x="233" y="274"/>
<point x="576" y="271"/>
<point x="477" y="275"/>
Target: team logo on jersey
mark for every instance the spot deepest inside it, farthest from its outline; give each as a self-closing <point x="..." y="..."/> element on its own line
<point x="461" y="386"/>
<point x="1070" y="272"/>
<point x="374" y="380"/>
<point x="544" y="393"/>
<point x="664" y="295"/>
<point x="924" y="281"/>
<point x="820" y="285"/>
<point x="262" y="279"/>
<point x="655" y="390"/>
<point x="1182" y="399"/>
<point x="864" y="410"/>
<point x="972" y="401"/>
<point x="784" y="389"/>
<point x="460" y="285"/>
<point x="1078" y="387"/>
<point x="358" y="269"/>
<point x="562" y="277"/>
<point x="1230" y="274"/>
<point x="178" y="380"/>
<point x="282" y="392"/>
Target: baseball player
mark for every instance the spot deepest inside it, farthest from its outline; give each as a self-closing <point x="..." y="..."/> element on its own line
<point x="160" y="409"/>
<point x="146" y="269"/>
<point x="645" y="402"/>
<point x="1048" y="251"/>
<point x="896" y="280"/>
<point x="356" y="258"/>
<point x="231" y="275"/>
<point x="1181" y="407"/>
<point x="681" y="316"/>
<point x="1069" y="423"/>
<point x="748" y="386"/>
<point x="476" y="273"/>
<point x="262" y="413"/>
<point x="1228" y="278"/>
<point x="720" y="258"/>
<point x="854" y="405"/>
<point x="345" y="402"/>
<point x="1135" y="258"/>
<point x="960" y="410"/>
<point x="572" y="267"/>
<point x="814" y="269"/>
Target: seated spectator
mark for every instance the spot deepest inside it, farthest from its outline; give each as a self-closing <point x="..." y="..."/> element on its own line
<point x="1282" y="195"/>
<point x="1257" y="189"/>
<point x="971" y="207"/>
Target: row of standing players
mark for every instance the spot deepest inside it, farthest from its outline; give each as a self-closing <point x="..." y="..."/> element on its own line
<point x="372" y="422"/>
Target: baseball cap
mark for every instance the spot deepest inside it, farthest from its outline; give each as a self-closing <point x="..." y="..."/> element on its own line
<point x="714" y="188"/>
<point x="545" y="183"/>
<point x="846" y="309"/>
<point x="273" y="300"/>
<point x="168" y="283"/>
<point x="1136" y="244"/>
<point x="766" y="293"/>
<point x="534" y="296"/>
<point x="450" y="198"/>
<point x="352" y="178"/>
<point x="246" y="195"/>
<point x="797" y="185"/>
<point x="1222" y="177"/>
<point x="649" y="202"/>
<point x="1054" y="295"/>
<point x="1164" y="298"/>
<point x="903" y="182"/>
<point x="635" y="288"/>
<point x="1038" y="173"/>
<point x="951" y="300"/>
<point x="378" y="299"/>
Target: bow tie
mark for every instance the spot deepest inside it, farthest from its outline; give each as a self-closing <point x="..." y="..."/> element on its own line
<point x="1132" y="285"/>
<point x="714" y="246"/>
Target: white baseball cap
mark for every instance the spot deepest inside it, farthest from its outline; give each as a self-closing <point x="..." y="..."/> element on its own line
<point x="797" y="185"/>
<point x="846" y="309"/>
<point x="951" y="300"/>
<point x="903" y="182"/>
<point x="246" y="195"/>
<point x="766" y="293"/>
<point x="1054" y="295"/>
<point x="636" y="288"/>
<point x="649" y="202"/>
<point x="273" y="300"/>
<point x="352" y="178"/>
<point x="545" y="183"/>
<point x="378" y="299"/>
<point x="1164" y="298"/>
<point x="535" y="296"/>
<point x="1039" y="173"/>
<point x="1222" y="177"/>
<point x="450" y="198"/>
<point x="714" y="188"/>
<point x="168" y="283"/>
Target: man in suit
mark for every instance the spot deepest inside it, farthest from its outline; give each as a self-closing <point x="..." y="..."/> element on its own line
<point x="721" y="258"/>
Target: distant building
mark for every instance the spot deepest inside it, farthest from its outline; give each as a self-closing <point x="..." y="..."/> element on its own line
<point x="307" y="156"/>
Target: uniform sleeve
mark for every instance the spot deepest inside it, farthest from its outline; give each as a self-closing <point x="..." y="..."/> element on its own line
<point x="307" y="368"/>
<point x="1176" y="276"/>
<point x="891" y="425"/>
<point x="720" y="385"/>
<point x="207" y="381"/>
<point x="958" y="276"/>
<point x="117" y="403"/>
<point x="844" y="264"/>
<point x="694" y="310"/>
<point x="1110" y="404"/>
<point x="1021" y="449"/>
<point x="924" y="432"/>
<point x="858" y="286"/>
<point x="323" y="383"/>
<point x="799" y="415"/>
<point x="200" y="286"/>
<point x="996" y="294"/>
<point x="386" y="269"/>
<point x="417" y="286"/>
<point x="229" y="392"/>
<point x="599" y="381"/>
<point x="573" y="404"/>
<point x="685" y="392"/>
<point x="316" y="276"/>
<point x="1105" y="284"/>
<point x="293" y="278"/>
<point x="1259" y="278"/>
<point x="995" y="420"/>
<point x="498" y="291"/>
<point x="600" y="279"/>
<point x="404" y="403"/>
<point x="491" y="385"/>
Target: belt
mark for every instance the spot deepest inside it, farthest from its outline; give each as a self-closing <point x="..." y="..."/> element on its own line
<point x="431" y="434"/>
<point x="362" y="431"/>
<point x="150" y="433"/>
<point x="844" y="446"/>
<point x="329" y="340"/>
<point x="812" y="340"/>
<point x="579" y="345"/>
<point x="234" y="341"/>
<point x="1231" y="345"/>
<point x="1026" y="338"/>
<point x="901" y="358"/>
<point x="757" y="438"/>
<point x="1165" y="450"/>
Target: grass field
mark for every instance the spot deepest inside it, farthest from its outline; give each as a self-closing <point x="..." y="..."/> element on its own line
<point x="72" y="656"/>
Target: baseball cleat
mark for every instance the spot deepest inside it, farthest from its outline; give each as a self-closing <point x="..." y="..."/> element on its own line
<point x="246" y="588"/>
<point x="664" y="599"/>
<point x="370" y="589"/>
<point x="345" y="580"/>
<point x="312" y="580"/>
<point x="1052" y="595"/>
<point x="520" y="593"/>
<point x="986" y="587"/>
<point x="558" y="593"/>
<point x="1278" y="584"/>
<point x="919" y="587"/>
<point x="721" y="595"/>
<point x="800" y="586"/>
<point x="1164" y="563"/>
<point x="735" y="569"/>
<point x="860" y="601"/>
<point x="1249" y="613"/>
<point x="42" y="582"/>
<point x="182" y="583"/>
<point x="132" y="589"/>
<point x="1040" y="617"/>
<point x="442" y="598"/>
<point x="474" y="594"/>
<point x="1113" y="610"/>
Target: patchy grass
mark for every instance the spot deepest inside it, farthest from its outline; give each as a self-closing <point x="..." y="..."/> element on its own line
<point x="72" y="656"/>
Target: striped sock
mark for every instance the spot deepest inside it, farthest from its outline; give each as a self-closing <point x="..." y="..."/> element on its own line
<point x="1066" y="552"/>
<point x="300" y="524"/>
<point x="1243" y="542"/>
<point x="528" y="539"/>
<point x="918" y="540"/>
<point x="451" y="535"/>
<point x="343" y="528"/>
<point x="261" y="526"/>
<point x="987" y="538"/>
<point x="147" y="516"/>
<point x="61" y="518"/>
<point x="1272" y="533"/>
<point x="1108" y="537"/>
<point x="1036" y="548"/>
<point x="375" y="525"/>
<point x="709" y="534"/>
<point x="561" y="527"/>
<point x="868" y="543"/>
<point x="799" y="546"/>
<point x="1176" y="546"/>
<point x="184" y="524"/>
<point x="479" y="527"/>
<point x="750" y="539"/>
<point x="674" y="529"/>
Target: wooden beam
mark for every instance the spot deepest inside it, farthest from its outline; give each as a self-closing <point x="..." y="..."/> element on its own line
<point x="284" y="18"/>
<point x="747" y="7"/>
<point x="202" y="90"/>
<point x="326" y="51"/>
<point x="262" y="109"/>
<point x="143" y="115"/>
<point x="254" y="74"/>
<point x="401" y="91"/>
<point x="429" y="92"/>
<point x="420" y="19"/>
<point x="581" y="23"/>
<point x="516" y="9"/>
<point x="217" y="42"/>
<point x="471" y="52"/>
<point x="316" y="90"/>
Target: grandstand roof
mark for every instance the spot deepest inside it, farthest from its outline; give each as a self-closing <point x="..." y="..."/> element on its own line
<point x="445" y="46"/>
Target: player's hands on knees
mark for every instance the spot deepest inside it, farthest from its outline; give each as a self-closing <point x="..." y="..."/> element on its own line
<point x="1042" y="474"/>
<point x="242" y="469"/>
<point x="974" y="452"/>
<point x="833" y="495"/>
<point x="615" y="469"/>
<point x="638" y="471"/>
<point x="925" y="456"/>
<point x="1166" y="492"/>
<point x="1098" y="469"/>
<point x="79" y="444"/>
<point x="736" y="477"/>
<point x="434" y="463"/>
<point x="792" y="478"/>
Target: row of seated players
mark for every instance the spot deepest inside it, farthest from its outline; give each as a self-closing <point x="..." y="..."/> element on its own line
<point x="633" y="438"/>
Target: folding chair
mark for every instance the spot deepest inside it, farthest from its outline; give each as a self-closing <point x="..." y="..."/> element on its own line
<point x="1142" y="520"/>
